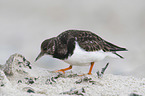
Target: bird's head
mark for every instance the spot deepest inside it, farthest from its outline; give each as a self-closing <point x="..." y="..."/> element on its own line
<point x="47" y="47"/>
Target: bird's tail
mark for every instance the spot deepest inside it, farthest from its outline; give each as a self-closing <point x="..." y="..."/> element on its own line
<point x="115" y="48"/>
<point x="119" y="55"/>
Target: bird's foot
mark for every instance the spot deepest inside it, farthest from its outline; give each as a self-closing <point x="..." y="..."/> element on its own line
<point x="82" y="75"/>
<point x="61" y="70"/>
<point x="85" y="74"/>
<point x="89" y="73"/>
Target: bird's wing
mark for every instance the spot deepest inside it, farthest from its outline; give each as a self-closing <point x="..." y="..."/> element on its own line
<point x="92" y="42"/>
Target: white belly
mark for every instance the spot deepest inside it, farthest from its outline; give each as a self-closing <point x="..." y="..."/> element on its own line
<point x="81" y="57"/>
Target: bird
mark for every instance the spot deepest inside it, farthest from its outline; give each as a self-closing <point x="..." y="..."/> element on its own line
<point x="79" y="48"/>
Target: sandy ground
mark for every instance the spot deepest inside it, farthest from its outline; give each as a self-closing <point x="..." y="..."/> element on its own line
<point x="24" y="24"/>
<point x="19" y="78"/>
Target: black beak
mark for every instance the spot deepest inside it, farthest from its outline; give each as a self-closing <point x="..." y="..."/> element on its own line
<point x="40" y="55"/>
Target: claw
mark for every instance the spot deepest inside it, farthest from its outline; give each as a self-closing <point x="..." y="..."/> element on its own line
<point x="61" y="70"/>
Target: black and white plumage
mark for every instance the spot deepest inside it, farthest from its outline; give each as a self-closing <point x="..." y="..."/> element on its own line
<point x="78" y="47"/>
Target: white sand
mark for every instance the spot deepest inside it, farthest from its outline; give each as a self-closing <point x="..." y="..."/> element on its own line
<point x="16" y="69"/>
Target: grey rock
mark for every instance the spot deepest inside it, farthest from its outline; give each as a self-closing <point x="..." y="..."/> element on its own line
<point x="15" y="63"/>
<point x="28" y="89"/>
<point x="3" y="79"/>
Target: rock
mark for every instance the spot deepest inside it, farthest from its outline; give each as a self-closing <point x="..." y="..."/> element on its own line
<point x="29" y="80"/>
<point x="74" y="91"/>
<point x="28" y="89"/>
<point x="85" y="79"/>
<point x="134" y="94"/>
<point x="3" y="79"/>
<point x="16" y="64"/>
<point x="19" y="81"/>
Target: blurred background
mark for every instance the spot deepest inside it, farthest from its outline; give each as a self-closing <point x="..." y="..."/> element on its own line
<point x="24" y="24"/>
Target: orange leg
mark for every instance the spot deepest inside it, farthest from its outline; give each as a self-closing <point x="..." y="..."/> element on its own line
<point x="92" y="64"/>
<point x="63" y="70"/>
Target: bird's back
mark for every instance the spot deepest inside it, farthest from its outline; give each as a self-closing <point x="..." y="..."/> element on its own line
<point x="89" y="41"/>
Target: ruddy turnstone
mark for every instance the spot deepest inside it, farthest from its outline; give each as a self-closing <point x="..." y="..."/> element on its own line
<point x="79" y="48"/>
